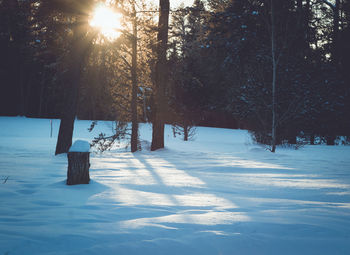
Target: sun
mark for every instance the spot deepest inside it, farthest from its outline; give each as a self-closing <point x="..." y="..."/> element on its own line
<point x="106" y="21"/>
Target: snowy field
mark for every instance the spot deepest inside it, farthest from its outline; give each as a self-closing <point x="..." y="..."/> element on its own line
<point x="218" y="194"/>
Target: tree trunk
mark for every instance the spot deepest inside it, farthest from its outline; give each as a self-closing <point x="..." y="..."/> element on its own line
<point x="161" y="77"/>
<point x="186" y="128"/>
<point x="79" y="49"/>
<point x="41" y="98"/>
<point x="300" y="12"/>
<point x="312" y="139"/>
<point x="307" y="21"/>
<point x="274" y="67"/>
<point x="335" y="32"/>
<point x="292" y="139"/>
<point x="65" y="134"/>
<point x="78" y="168"/>
<point x="134" y="122"/>
<point x="330" y="139"/>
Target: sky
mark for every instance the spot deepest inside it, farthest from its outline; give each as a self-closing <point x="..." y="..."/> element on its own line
<point x="177" y="3"/>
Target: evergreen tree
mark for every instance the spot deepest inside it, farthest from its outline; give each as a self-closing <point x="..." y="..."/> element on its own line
<point x="19" y="66"/>
<point x="187" y="37"/>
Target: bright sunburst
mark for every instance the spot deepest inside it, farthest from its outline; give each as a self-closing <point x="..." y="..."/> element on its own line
<point x="107" y="21"/>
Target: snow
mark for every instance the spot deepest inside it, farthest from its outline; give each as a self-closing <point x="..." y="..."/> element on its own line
<point x="218" y="194"/>
<point x="80" y="146"/>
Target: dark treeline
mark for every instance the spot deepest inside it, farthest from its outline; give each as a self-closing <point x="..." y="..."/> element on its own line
<point x="277" y="68"/>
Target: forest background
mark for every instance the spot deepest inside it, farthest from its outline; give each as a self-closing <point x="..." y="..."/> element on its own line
<point x="222" y="69"/>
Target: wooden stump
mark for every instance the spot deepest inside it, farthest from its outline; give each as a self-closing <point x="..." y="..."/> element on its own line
<point x="78" y="168"/>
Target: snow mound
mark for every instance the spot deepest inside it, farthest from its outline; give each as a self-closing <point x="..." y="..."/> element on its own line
<point x="80" y="146"/>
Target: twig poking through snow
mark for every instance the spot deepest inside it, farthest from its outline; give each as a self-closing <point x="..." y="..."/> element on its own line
<point x="5" y="179"/>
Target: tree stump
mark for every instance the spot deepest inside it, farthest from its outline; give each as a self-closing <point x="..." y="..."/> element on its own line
<point x="78" y="163"/>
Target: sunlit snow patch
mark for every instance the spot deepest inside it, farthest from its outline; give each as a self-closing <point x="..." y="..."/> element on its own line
<point x="209" y="218"/>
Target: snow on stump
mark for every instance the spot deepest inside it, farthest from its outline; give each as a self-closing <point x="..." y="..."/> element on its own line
<point x="78" y="163"/>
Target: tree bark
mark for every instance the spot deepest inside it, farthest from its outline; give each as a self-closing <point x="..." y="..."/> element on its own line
<point x="161" y="77"/>
<point x="274" y="69"/>
<point x="65" y="134"/>
<point x="134" y="121"/>
<point x="78" y="168"/>
<point x="186" y="128"/>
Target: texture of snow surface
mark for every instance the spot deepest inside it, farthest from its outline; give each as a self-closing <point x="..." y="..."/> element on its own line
<point x="218" y="194"/>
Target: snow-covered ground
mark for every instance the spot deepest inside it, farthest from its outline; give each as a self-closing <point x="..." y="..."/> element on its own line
<point x="218" y="194"/>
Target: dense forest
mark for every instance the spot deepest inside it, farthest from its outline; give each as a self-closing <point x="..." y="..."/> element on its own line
<point x="277" y="68"/>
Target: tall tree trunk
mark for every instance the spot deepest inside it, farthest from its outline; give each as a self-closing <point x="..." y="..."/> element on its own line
<point x="330" y="139"/>
<point x="77" y="55"/>
<point x="161" y="77"/>
<point x="134" y="122"/>
<point x="300" y="11"/>
<point x="274" y="69"/>
<point x="41" y="98"/>
<point x="307" y="16"/>
<point x="312" y="139"/>
<point x="23" y="86"/>
<point x="65" y="134"/>
<point x="336" y="32"/>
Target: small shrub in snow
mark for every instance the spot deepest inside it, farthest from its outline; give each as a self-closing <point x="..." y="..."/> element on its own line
<point x="298" y="145"/>
<point x="342" y="140"/>
<point x="264" y="138"/>
<point x="188" y="132"/>
<point x="106" y="142"/>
